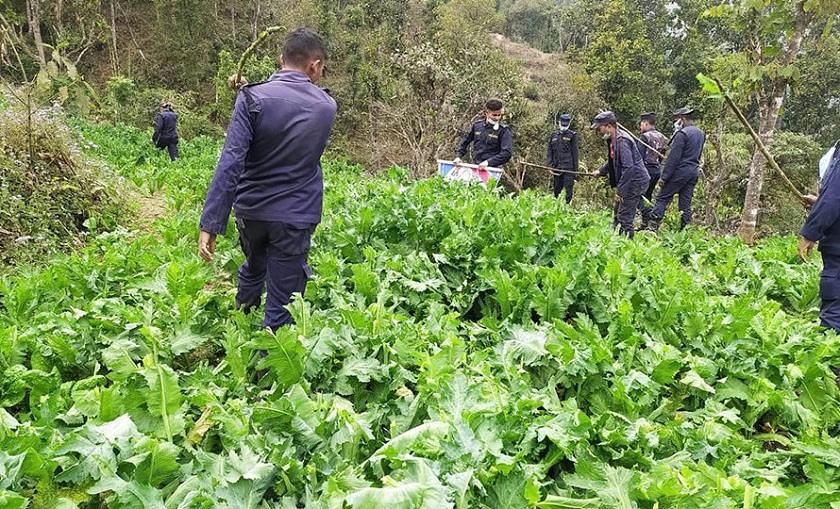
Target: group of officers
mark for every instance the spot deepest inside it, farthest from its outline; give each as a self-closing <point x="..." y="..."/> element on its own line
<point x="634" y="165"/>
<point x="269" y="173"/>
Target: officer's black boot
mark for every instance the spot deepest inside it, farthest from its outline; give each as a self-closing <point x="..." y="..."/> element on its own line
<point x="653" y="223"/>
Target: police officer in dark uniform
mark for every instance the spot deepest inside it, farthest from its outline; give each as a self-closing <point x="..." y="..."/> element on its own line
<point x="651" y="156"/>
<point x="823" y="226"/>
<point x="563" y="155"/>
<point x="166" y="135"/>
<point x="625" y="169"/>
<point x="492" y="141"/>
<point x="682" y="168"/>
<point x="270" y="173"/>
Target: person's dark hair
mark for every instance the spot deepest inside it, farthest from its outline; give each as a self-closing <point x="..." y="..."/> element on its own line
<point x="303" y="46"/>
<point x="493" y="105"/>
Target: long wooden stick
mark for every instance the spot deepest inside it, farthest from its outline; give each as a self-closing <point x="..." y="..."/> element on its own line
<point x="260" y="39"/>
<point x="628" y="131"/>
<point x="553" y="170"/>
<point x="760" y="145"/>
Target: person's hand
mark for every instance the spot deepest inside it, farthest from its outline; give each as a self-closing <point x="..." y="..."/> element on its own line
<point x="206" y="245"/>
<point x="805" y="248"/>
<point x="595" y="173"/>
<point x="618" y="198"/>
<point x="457" y="161"/>
<point x="809" y="201"/>
<point x="232" y="83"/>
<point x="483" y="165"/>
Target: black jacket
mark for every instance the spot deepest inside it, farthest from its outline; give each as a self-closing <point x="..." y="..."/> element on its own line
<point x="624" y="166"/>
<point x="563" y="150"/>
<point x="492" y="145"/>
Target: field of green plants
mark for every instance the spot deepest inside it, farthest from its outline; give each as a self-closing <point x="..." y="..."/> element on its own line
<point x="457" y="348"/>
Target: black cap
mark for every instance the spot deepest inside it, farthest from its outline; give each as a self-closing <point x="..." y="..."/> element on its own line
<point x="685" y="111"/>
<point x="605" y="117"/>
<point x="648" y="115"/>
<point x="565" y="118"/>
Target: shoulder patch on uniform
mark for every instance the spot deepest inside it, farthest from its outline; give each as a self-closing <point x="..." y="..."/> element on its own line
<point x="248" y="85"/>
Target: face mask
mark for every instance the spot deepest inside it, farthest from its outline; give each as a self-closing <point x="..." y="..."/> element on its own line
<point x="678" y="125"/>
<point x="564" y="127"/>
<point x="494" y="124"/>
<point x="606" y="136"/>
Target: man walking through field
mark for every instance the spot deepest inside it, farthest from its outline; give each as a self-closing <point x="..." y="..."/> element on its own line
<point x="625" y="169"/>
<point x="823" y="226"/>
<point x="270" y="173"/>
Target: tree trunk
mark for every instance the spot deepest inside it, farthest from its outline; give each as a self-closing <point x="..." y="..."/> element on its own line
<point x="769" y="113"/>
<point x="115" y="64"/>
<point x="770" y="100"/>
<point x="33" y="17"/>
<point x="714" y="188"/>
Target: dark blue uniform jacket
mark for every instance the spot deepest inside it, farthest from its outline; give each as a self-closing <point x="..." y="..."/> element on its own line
<point x="492" y="145"/>
<point x="823" y="223"/>
<point x="270" y="166"/>
<point x="563" y="149"/>
<point x="625" y="167"/>
<point x="686" y="149"/>
<point x="165" y="125"/>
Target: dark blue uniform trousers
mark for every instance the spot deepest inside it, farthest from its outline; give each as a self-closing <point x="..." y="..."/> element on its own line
<point x="625" y="212"/>
<point x="275" y="253"/>
<point x="564" y="182"/>
<point x="645" y="209"/>
<point x="171" y="145"/>
<point x="830" y="292"/>
<point x="682" y="184"/>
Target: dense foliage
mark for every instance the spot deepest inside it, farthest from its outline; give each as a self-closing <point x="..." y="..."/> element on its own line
<point x="457" y="347"/>
<point x="51" y="196"/>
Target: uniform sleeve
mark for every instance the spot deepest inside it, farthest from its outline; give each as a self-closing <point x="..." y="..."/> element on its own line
<point x="641" y="146"/>
<point x="575" y="153"/>
<point x="465" y="142"/>
<point x="214" y="217"/>
<point x="674" y="156"/>
<point x="505" y="153"/>
<point x="826" y="210"/>
<point x="624" y="160"/>
<point x="550" y="157"/>
<point x="158" y="127"/>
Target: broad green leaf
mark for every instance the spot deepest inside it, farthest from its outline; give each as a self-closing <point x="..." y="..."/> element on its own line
<point x="402" y="443"/>
<point x="555" y="502"/>
<point x="693" y="379"/>
<point x="612" y="485"/>
<point x="164" y="396"/>
<point x="420" y="489"/>
<point x="185" y="341"/>
<point x="284" y="357"/>
<point x="529" y="346"/>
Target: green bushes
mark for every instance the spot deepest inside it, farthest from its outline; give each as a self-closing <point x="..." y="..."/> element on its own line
<point x="50" y="196"/>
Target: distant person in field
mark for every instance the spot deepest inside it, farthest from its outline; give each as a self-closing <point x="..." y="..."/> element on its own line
<point x="166" y="134"/>
<point x="823" y="226"/>
<point x="682" y="169"/>
<point x="270" y="173"/>
<point x="492" y="141"/>
<point x="626" y="171"/>
<point x="563" y="155"/>
<point x="651" y="150"/>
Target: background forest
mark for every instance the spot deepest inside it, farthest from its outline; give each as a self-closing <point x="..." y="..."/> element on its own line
<point x="409" y="76"/>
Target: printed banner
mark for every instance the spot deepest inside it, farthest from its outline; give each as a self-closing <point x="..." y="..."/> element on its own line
<point x="468" y="172"/>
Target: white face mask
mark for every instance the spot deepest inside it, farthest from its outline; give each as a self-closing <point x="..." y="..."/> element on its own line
<point x="606" y="136"/>
<point x="564" y="127"/>
<point x="678" y="125"/>
<point x="494" y="124"/>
